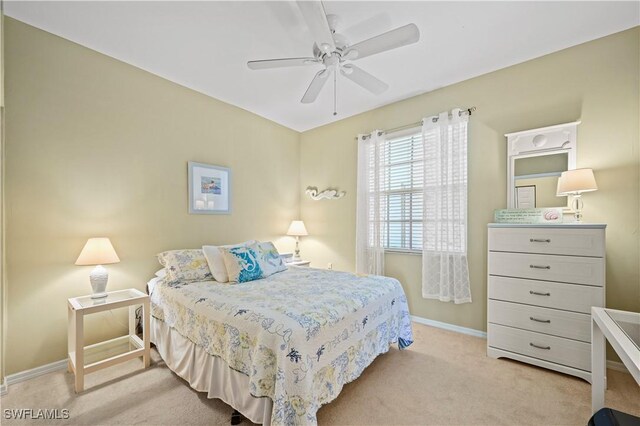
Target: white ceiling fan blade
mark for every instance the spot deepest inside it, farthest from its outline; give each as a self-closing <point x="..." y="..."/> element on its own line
<point x="316" y="20"/>
<point x="316" y="85"/>
<point x="280" y="63"/>
<point x="364" y="79"/>
<point x="390" y="40"/>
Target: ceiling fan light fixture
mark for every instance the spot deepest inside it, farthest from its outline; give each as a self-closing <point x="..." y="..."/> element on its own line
<point x="325" y="47"/>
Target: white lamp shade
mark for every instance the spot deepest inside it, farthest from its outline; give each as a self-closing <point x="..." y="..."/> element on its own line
<point x="576" y="181"/>
<point x="97" y="251"/>
<point x="297" y="229"/>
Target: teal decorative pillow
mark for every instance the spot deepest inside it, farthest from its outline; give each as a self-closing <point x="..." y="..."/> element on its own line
<point x="185" y="265"/>
<point x="242" y="263"/>
<point x="269" y="259"/>
<point x="216" y="262"/>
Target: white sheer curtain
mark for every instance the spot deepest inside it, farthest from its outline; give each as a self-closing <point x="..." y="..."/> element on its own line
<point x="371" y="207"/>
<point x="445" y="272"/>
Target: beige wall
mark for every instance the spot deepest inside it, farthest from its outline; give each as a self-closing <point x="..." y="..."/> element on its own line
<point x="95" y="147"/>
<point x="597" y="82"/>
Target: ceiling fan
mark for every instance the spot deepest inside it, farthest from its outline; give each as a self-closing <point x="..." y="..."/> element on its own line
<point x="332" y="50"/>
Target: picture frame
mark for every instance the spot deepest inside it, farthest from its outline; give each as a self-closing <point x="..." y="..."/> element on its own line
<point x="526" y="197"/>
<point x="209" y="189"/>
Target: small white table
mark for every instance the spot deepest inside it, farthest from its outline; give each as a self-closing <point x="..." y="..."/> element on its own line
<point x="87" y="359"/>
<point x="622" y="330"/>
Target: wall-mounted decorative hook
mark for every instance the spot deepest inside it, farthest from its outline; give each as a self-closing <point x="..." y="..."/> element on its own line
<point x="329" y="194"/>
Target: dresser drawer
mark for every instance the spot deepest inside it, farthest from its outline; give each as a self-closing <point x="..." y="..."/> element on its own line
<point x="543" y="320"/>
<point x="573" y="242"/>
<point x="542" y="346"/>
<point x="568" y="269"/>
<point x="570" y="297"/>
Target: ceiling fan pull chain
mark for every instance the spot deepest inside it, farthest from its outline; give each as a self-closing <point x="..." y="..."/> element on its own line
<point x="335" y="92"/>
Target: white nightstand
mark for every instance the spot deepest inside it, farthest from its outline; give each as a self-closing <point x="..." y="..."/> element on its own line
<point x="87" y="359"/>
<point x="299" y="263"/>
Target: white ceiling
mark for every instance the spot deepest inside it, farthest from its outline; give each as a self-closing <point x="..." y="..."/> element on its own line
<point x="205" y="45"/>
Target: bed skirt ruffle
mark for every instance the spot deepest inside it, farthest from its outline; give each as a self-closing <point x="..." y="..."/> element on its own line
<point x="207" y="373"/>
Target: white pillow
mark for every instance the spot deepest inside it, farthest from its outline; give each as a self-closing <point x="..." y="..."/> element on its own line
<point x="161" y="273"/>
<point x="216" y="261"/>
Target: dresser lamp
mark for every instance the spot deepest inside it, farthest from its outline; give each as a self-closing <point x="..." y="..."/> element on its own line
<point x="98" y="251"/>
<point x="297" y="229"/>
<point x="574" y="183"/>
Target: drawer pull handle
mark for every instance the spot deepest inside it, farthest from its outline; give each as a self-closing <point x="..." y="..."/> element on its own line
<point x="540" y="267"/>
<point x="540" y="320"/>
<point x="546" y="348"/>
<point x="537" y="293"/>
<point x="540" y="240"/>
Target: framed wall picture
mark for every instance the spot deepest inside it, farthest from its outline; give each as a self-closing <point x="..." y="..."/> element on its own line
<point x="209" y="189"/>
<point x="526" y="197"/>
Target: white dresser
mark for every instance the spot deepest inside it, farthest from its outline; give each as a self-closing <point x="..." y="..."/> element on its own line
<point x="543" y="281"/>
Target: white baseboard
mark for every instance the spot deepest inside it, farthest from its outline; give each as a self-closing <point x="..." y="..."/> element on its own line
<point x="450" y="327"/>
<point x="33" y="373"/>
<point x="3" y="388"/>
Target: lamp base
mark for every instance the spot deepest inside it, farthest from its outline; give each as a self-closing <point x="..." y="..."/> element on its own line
<point x="577" y="205"/>
<point x="296" y="256"/>
<point x="98" y="279"/>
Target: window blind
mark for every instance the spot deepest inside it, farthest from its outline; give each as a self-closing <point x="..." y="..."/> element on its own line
<point x="400" y="180"/>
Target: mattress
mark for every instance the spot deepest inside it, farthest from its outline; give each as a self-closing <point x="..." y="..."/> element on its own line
<point x="299" y="335"/>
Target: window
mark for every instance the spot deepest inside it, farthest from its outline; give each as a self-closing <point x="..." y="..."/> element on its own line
<point x="401" y="159"/>
<point x="412" y="197"/>
<point x="402" y="162"/>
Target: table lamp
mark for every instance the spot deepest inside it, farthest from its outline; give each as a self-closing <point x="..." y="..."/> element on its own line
<point x="574" y="183"/>
<point x="98" y="251"/>
<point x="297" y="229"/>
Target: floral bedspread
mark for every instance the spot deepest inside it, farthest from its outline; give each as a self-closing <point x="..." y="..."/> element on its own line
<point x="300" y="335"/>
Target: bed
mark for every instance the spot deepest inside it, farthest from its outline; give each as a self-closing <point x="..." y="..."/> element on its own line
<point x="277" y="349"/>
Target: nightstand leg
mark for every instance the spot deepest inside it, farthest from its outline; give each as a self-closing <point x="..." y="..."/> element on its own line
<point x="132" y="320"/>
<point x="79" y="350"/>
<point x="71" y="337"/>
<point x="146" y="337"/>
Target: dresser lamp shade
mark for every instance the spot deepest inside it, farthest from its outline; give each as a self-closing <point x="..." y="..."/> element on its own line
<point x="297" y="229"/>
<point x="98" y="251"/>
<point x="574" y="183"/>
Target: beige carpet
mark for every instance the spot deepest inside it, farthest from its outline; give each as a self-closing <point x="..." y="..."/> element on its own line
<point x="444" y="378"/>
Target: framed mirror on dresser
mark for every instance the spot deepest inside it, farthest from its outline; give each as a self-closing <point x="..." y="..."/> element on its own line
<point x="535" y="160"/>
